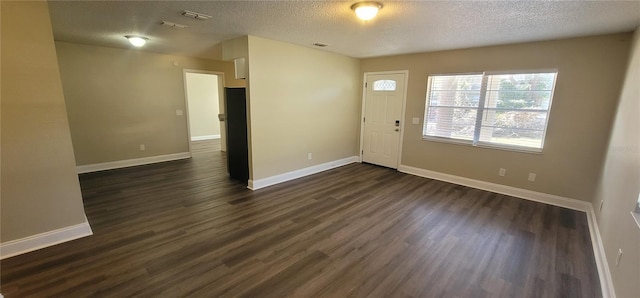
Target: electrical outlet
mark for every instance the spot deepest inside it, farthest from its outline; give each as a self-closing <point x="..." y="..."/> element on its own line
<point x="179" y="113"/>
<point x="619" y="257"/>
<point x="309" y="155"/>
<point x="502" y="172"/>
<point x="142" y="147"/>
<point x="532" y="177"/>
<point x="415" y="120"/>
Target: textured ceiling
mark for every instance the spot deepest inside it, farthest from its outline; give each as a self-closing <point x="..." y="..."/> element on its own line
<point x="401" y="26"/>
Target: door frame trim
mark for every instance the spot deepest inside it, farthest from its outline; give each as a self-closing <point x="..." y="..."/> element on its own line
<point x="402" y="113"/>
<point x="186" y="99"/>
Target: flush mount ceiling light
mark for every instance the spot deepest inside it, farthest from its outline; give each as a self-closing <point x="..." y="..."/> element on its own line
<point x="196" y="15"/>
<point x="366" y="10"/>
<point x="137" y="41"/>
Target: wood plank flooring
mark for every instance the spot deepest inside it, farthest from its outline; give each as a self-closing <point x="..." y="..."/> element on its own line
<point x="183" y="229"/>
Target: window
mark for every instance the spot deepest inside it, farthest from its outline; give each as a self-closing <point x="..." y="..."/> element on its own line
<point x="486" y="109"/>
<point x="384" y="85"/>
<point x="636" y="212"/>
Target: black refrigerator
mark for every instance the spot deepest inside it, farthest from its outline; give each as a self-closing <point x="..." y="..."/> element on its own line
<point x="237" y="143"/>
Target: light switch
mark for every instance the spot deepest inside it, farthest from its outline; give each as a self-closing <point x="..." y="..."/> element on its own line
<point x="415" y="120"/>
<point x="179" y="112"/>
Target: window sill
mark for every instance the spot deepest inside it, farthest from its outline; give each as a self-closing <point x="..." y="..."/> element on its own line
<point x="636" y="217"/>
<point x="482" y="145"/>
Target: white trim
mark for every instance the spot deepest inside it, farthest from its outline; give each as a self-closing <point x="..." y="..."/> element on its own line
<point x="499" y="188"/>
<point x="403" y="117"/>
<point x="636" y="217"/>
<point x="207" y="137"/>
<point x="403" y="110"/>
<point x="469" y="143"/>
<point x="604" y="274"/>
<point x="362" y="114"/>
<point x="606" y="283"/>
<point x="131" y="162"/>
<point x="46" y="239"/>
<point x="264" y="182"/>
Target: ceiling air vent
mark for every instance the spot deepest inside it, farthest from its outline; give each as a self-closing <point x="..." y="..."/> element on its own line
<point x="196" y="15"/>
<point x="173" y="25"/>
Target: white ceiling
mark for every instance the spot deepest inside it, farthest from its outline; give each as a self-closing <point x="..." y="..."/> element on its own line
<point x="401" y="26"/>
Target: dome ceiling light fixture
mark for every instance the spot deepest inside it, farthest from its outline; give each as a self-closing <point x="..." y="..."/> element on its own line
<point x="366" y="10"/>
<point x="137" y="41"/>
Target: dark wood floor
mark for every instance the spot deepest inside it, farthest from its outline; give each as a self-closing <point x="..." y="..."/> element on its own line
<point x="183" y="229"/>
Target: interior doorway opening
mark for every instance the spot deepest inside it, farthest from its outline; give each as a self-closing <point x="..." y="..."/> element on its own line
<point x="205" y="102"/>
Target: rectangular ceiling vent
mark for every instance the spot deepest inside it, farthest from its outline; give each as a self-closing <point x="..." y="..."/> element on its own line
<point x="196" y="15"/>
<point x="173" y="25"/>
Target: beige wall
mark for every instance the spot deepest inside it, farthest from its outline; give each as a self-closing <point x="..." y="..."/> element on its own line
<point x="619" y="185"/>
<point x="203" y="98"/>
<point x="301" y="101"/>
<point x="118" y="99"/>
<point x="235" y="48"/>
<point x="40" y="189"/>
<point x="590" y="72"/>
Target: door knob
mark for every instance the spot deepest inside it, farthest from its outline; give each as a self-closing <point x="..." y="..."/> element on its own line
<point x="397" y="129"/>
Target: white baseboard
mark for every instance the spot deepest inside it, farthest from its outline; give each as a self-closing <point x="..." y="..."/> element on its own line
<point x="46" y="239"/>
<point x="499" y="188"/>
<point x="596" y="241"/>
<point x="207" y="137"/>
<point x="131" y="162"/>
<point x="606" y="283"/>
<point x="264" y="182"/>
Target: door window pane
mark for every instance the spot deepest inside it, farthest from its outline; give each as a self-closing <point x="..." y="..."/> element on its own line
<point x="384" y="85"/>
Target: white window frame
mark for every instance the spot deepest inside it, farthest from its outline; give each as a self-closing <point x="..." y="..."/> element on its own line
<point x="636" y="212"/>
<point x="483" y="89"/>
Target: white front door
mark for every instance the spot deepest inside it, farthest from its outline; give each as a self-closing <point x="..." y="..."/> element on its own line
<point x="383" y="100"/>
